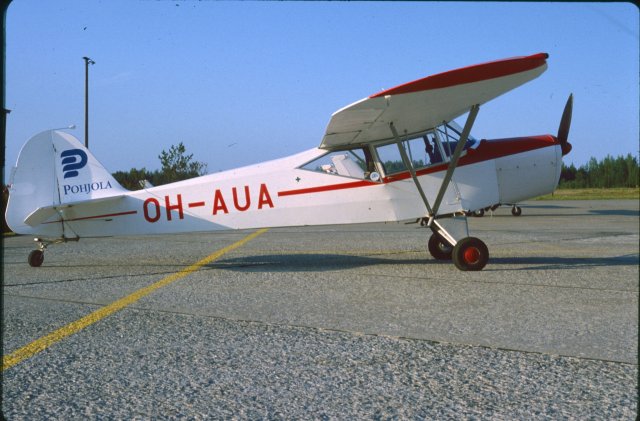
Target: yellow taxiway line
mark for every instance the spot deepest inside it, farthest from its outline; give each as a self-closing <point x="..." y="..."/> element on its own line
<point x="45" y="342"/>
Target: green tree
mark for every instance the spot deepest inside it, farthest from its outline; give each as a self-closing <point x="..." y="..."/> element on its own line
<point x="177" y="165"/>
<point x="131" y="179"/>
<point x="631" y="171"/>
<point x="607" y="173"/>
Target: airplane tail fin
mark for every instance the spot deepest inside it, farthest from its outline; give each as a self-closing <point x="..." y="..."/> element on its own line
<point x="54" y="169"/>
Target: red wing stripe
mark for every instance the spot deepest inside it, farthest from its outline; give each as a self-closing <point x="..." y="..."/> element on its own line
<point x="470" y="74"/>
<point x="330" y="187"/>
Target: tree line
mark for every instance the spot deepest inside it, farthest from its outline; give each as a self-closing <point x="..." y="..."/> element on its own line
<point x="607" y="173"/>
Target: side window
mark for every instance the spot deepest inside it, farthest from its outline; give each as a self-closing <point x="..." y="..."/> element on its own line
<point x="422" y="151"/>
<point x="390" y="159"/>
<point x="352" y="163"/>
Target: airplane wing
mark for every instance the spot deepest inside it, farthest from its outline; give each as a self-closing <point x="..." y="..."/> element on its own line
<point x="425" y="103"/>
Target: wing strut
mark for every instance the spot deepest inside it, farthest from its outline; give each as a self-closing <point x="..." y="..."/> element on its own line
<point x="444" y="230"/>
<point x="408" y="164"/>
<point x="453" y="163"/>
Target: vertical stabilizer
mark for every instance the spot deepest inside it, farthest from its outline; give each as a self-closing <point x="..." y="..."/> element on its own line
<point x="54" y="168"/>
<point x="79" y="174"/>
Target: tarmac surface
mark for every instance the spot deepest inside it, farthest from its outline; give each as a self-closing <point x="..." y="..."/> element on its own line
<point x="331" y="322"/>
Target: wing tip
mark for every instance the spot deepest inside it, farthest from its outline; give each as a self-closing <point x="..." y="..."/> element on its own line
<point x="469" y="74"/>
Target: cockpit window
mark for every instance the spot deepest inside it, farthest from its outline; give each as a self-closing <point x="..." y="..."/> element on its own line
<point x="422" y="151"/>
<point x="355" y="163"/>
<point x="431" y="148"/>
<point x="450" y="135"/>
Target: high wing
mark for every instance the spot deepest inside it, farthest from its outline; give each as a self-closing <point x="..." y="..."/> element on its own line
<point x="420" y="105"/>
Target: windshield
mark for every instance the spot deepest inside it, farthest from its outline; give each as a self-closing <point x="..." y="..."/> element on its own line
<point x="433" y="147"/>
<point x="449" y="135"/>
<point x="354" y="163"/>
<point x="425" y="150"/>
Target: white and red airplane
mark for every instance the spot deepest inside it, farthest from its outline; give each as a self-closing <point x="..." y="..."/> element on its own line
<point x="396" y="155"/>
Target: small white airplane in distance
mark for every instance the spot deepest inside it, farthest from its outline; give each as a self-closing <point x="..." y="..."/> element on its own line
<point x="394" y="156"/>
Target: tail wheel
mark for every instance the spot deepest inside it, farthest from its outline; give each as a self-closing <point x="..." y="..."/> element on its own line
<point x="470" y="254"/>
<point x="439" y="249"/>
<point x="36" y="257"/>
<point x="478" y="212"/>
<point x="516" y="210"/>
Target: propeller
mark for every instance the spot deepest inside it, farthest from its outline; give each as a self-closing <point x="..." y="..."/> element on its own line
<point x="565" y="124"/>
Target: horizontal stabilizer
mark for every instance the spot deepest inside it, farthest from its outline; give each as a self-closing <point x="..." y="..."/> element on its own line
<point x="42" y="214"/>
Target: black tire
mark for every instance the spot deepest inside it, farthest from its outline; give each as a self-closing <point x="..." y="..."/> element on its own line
<point x="516" y="210"/>
<point x="36" y="257"/>
<point x="470" y="254"/>
<point x="439" y="249"/>
<point x="478" y="213"/>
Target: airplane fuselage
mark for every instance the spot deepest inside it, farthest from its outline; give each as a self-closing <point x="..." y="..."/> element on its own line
<point x="281" y="193"/>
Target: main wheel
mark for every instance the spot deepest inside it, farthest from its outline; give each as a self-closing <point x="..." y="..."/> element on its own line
<point x="470" y="253"/>
<point x="478" y="212"/>
<point x="439" y="249"/>
<point x="516" y="210"/>
<point x="36" y="257"/>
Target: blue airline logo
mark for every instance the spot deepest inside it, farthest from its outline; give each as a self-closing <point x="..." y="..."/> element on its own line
<point x="72" y="161"/>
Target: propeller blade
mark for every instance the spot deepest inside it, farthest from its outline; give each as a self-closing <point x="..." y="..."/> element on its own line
<point x="565" y="125"/>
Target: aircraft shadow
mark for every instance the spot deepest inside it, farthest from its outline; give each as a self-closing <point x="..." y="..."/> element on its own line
<point x="307" y="262"/>
<point x="325" y="262"/>
<point x="615" y="212"/>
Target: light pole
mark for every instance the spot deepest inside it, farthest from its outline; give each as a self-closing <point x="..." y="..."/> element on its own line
<point x="87" y="62"/>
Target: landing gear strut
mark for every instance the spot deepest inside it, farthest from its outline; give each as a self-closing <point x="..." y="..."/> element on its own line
<point x="469" y="253"/>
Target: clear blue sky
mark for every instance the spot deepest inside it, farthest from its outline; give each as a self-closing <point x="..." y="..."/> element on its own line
<point x="241" y="82"/>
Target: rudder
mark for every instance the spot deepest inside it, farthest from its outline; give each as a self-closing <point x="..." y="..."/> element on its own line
<point x="54" y="168"/>
<point x="79" y="174"/>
